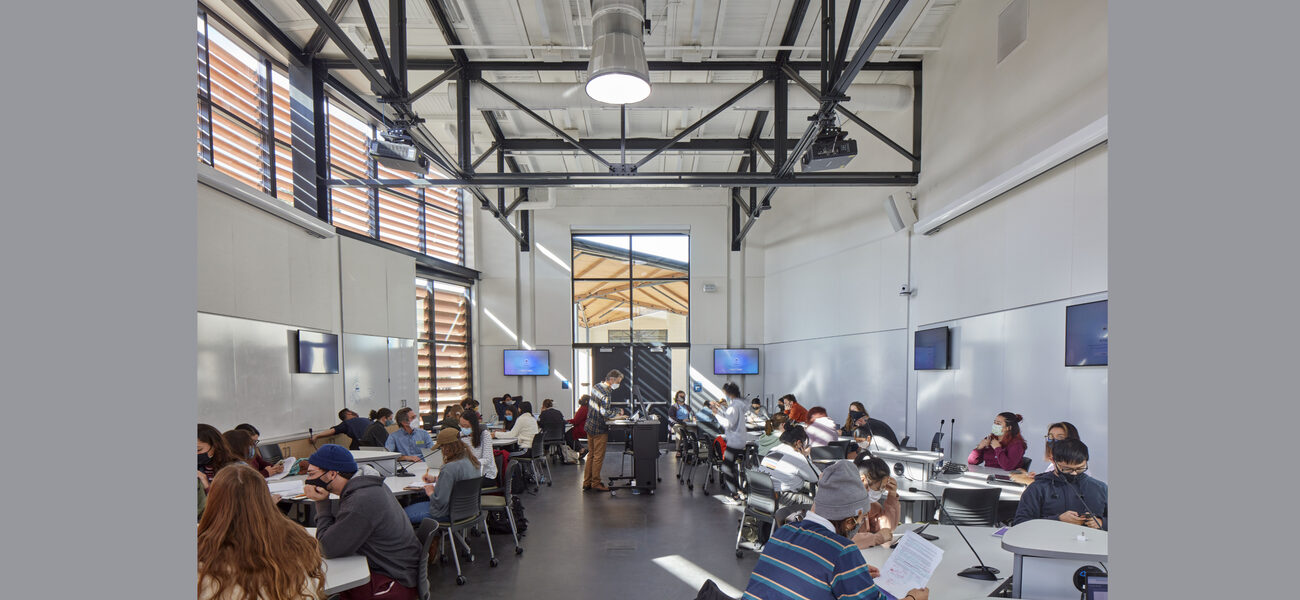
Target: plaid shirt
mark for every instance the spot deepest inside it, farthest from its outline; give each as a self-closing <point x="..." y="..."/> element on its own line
<point x="598" y="410"/>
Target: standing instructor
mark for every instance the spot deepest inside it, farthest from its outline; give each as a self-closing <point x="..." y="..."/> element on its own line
<point x="598" y="411"/>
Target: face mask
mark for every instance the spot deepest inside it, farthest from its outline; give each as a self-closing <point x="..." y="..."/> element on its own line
<point x="997" y="430"/>
<point x="250" y="453"/>
<point x="466" y="431"/>
<point x="204" y="459"/>
<point x="874" y="495"/>
<point x="614" y="386"/>
<point x="509" y="418"/>
<point x="855" y="415"/>
<point x="415" y="423"/>
<point x="317" y="481"/>
<point x="756" y="407"/>
<point x="856" y="528"/>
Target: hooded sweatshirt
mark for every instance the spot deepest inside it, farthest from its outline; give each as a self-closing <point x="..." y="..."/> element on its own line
<point x="1050" y="495"/>
<point x="367" y="520"/>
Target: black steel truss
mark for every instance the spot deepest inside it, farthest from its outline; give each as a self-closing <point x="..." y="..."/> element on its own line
<point x="389" y="77"/>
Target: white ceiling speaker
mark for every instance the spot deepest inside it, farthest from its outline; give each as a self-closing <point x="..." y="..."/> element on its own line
<point x="618" y="72"/>
<point x="899" y="208"/>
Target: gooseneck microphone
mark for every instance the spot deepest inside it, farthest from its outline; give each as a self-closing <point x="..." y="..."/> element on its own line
<point x="401" y="465"/>
<point x="983" y="571"/>
<point x="952" y="434"/>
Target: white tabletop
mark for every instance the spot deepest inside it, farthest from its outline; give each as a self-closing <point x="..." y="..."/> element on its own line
<point x="1056" y="539"/>
<point x="1009" y="493"/>
<point x="345" y="572"/>
<point x="956" y="556"/>
<point x="372" y="455"/>
<point x="503" y="440"/>
<point x="397" y="485"/>
<point x="908" y="455"/>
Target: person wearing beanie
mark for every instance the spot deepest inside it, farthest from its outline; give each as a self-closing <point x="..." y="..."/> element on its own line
<point x="365" y="520"/>
<point x="1004" y="447"/>
<point x="815" y="559"/>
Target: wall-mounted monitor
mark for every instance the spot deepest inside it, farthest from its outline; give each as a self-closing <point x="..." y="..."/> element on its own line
<point x="930" y="349"/>
<point x="527" y="362"/>
<point x="735" y="361"/>
<point x="1087" y="337"/>
<point x="317" y="352"/>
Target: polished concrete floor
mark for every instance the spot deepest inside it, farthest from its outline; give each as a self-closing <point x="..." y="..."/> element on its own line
<point x="594" y="545"/>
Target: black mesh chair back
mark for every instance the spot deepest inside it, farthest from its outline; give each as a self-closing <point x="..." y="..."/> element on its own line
<point x="762" y="498"/>
<point x="501" y="469"/>
<point x="1024" y="463"/>
<point x="270" y="452"/>
<point x="751" y="458"/>
<point x="827" y="453"/>
<point x="465" y="499"/>
<point x="976" y="507"/>
<point x="426" y="536"/>
<point x="553" y="432"/>
<point x="902" y="444"/>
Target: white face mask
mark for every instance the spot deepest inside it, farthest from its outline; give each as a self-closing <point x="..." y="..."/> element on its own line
<point x="874" y="495"/>
<point x="415" y="423"/>
<point x="613" y="386"/>
<point x="997" y="430"/>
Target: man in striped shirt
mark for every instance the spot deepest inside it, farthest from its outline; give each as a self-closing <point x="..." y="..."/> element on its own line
<point x="815" y="559"/>
<point x="822" y="430"/>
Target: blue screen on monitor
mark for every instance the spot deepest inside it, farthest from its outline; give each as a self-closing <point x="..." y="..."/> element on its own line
<point x="930" y="349"/>
<point x="1087" y="335"/>
<point x="527" y="362"/>
<point x="735" y="361"/>
<point x="317" y="352"/>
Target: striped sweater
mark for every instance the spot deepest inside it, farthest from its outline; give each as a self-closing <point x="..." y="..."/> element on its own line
<point x="808" y="561"/>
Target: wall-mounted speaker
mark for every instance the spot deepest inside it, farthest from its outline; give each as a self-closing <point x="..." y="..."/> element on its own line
<point x="899" y="208"/>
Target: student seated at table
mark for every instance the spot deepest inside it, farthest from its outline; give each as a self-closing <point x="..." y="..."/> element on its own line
<point x="772" y="431"/>
<point x="1003" y="448"/>
<point x="756" y="415"/>
<point x="1055" y="433"/>
<point x="872" y="433"/>
<point x="681" y="408"/>
<point x="265" y="468"/>
<point x="458" y="464"/>
<point x="794" y="410"/>
<point x="822" y="430"/>
<point x="550" y="416"/>
<point x="473" y="436"/>
<point x="240" y="445"/>
<point x="1067" y="493"/>
<point x="882" y="491"/>
<point x="579" y="421"/>
<point x="788" y="466"/>
<point x="350" y="424"/>
<point x="524" y="429"/>
<point x="247" y="549"/>
<point x="213" y="453"/>
<point x="815" y="559"/>
<point x="469" y="404"/>
<point x="451" y="417"/>
<point x="409" y="439"/>
<point x="376" y="434"/>
<point x="366" y="520"/>
<point x="503" y="403"/>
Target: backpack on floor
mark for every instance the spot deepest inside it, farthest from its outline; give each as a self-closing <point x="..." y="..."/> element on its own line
<point x="568" y="455"/>
<point x="499" y="523"/>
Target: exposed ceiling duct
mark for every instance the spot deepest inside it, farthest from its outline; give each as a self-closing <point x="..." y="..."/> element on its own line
<point x="676" y="96"/>
<point x="618" y="72"/>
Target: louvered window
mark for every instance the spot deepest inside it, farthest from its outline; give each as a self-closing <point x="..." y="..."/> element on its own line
<point x="444" y="353"/>
<point x="243" y="112"/>
<point x="424" y="219"/>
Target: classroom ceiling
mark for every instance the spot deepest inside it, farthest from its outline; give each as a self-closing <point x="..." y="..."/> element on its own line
<point x="688" y="31"/>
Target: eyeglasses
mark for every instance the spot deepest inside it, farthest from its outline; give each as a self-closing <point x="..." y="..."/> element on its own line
<point x="1072" y="470"/>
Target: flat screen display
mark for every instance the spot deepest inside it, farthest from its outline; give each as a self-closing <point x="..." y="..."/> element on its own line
<point x="930" y="349"/>
<point x="1087" y="337"/>
<point x="735" y="361"/>
<point x="317" y="352"/>
<point x="527" y="362"/>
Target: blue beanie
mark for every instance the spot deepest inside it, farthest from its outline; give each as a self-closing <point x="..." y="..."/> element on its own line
<point x="333" y="457"/>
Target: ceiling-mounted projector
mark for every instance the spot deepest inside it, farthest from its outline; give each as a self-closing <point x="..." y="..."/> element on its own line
<point x="397" y="151"/>
<point x="831" y="150"/>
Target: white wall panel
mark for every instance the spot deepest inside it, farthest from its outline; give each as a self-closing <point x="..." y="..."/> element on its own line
<point x="870" y="368"/>
<point x="313" y="281"/>
<point x="364" y="273"/>
<point x="403" y="379"/>
<point x="1038" y="241"/>
<point x="1091" y="209"/>
<point x="215" y="263"/>
<point x="400" y="288"/>
<point x="261" y="255"/>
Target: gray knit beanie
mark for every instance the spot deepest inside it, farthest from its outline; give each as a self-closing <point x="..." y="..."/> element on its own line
<point x="840" y="493"/>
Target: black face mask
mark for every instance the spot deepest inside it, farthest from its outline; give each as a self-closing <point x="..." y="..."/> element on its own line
<point x="318" y="482"/>
<point x="204" y="459"/>
<point x="855" y="415"/>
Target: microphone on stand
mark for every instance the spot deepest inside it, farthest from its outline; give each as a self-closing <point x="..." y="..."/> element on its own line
<point x="983" y="571"/>
<point x="952" y="433"/>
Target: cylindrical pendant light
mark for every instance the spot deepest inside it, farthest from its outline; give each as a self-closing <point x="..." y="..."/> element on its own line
<point x="618" y="73"/>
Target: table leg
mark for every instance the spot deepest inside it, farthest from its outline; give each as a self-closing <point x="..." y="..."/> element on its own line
<point x="1017" y="576"/>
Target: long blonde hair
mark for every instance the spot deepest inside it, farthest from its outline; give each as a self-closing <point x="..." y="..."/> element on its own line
<point x="245" y="543"/>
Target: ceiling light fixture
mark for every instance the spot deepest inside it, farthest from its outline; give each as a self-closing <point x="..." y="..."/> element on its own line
<point x="617" y="72"/>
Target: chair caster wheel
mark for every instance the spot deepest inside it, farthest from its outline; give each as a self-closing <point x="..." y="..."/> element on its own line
<point x="740" y="554"/>
<point x="548" y="484"/>
<point x="442" y="560"/>
<point x="494" y="562"/>
<point x="460" y="580"/>
<point x="518" y="551"/>
<point x="690" y="487"/>
<point x="469" y="558"/>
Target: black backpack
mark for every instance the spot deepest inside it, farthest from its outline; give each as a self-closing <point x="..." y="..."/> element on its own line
<point x="499" y="523"/>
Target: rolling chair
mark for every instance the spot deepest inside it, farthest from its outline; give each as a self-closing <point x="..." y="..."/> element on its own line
<point x="425" y="534"/>
<point x="536" y="455"/>
<point x="552" y="439"/>
<point x="761" y="504"/>
<point x="502" y="504"/>
<point x="466" y="513"/>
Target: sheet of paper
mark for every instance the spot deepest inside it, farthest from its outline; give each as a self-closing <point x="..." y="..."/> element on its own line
<point x="909" y="566"/>
<point x="286" y="489"/>
<point x="288" y="463"/>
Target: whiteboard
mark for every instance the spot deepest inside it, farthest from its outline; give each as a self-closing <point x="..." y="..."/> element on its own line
<point x="246" y="375"/>
<point x="378" y="372"/>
